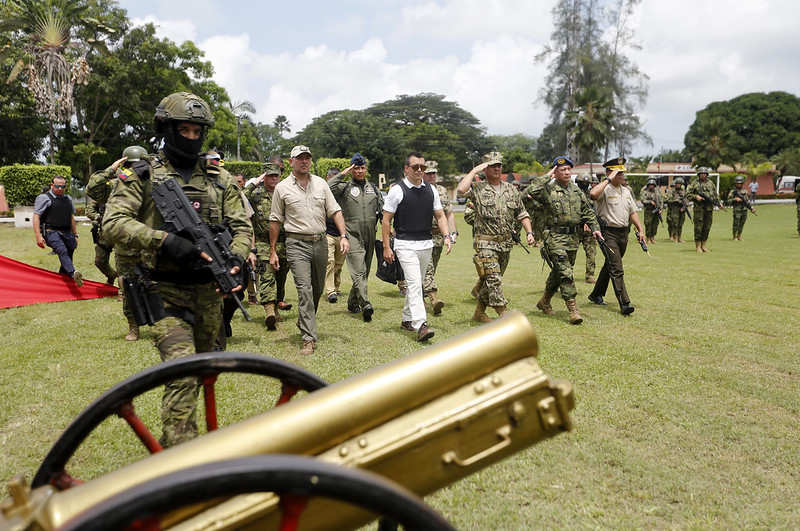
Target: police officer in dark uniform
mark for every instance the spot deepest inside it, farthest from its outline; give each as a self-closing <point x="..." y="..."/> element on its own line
<point x="54" y="225"/>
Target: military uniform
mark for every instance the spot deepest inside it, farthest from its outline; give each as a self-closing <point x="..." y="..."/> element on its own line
<point x="651" y="212"/>
<point x="567" y="210"/>
<point x="676" y="212"/>
<point x="269" y="280"/>
<point x="587" y="238"/>
<point x="496" y="212"/>
<point x="740" y="208"/>
<point x="703" y="210"/>
<point x="192" y="306"/>
<point x="797" y="200"/>
<point x="361" y="204"/>
<point x="102" y="248"/>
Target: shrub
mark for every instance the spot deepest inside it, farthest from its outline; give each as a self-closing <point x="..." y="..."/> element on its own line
<point x="23" y="182"/>
<point x="248" y="168"/>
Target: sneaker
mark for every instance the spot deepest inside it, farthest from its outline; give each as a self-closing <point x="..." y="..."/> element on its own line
<point x="424" y="333"/>
<point x="78" y="278"/>
<point x="333" y="297"/>
<point x="308" y="348"/>
<point x="406" y="325"/>
<point x="367" y="312"/>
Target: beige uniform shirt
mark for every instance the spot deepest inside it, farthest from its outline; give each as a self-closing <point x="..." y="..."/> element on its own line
<point x="615" y="205"/>
<point x="303" y="211"/>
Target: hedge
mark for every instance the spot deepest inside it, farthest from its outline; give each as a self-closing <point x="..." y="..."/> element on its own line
<point x="247" y="168"/>
<point x="23" y="182"/>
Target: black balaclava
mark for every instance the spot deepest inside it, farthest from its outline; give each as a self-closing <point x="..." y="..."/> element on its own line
<point x="181" y="151"/>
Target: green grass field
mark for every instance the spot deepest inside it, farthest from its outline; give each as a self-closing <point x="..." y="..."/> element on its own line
<point x="687" y="413"/>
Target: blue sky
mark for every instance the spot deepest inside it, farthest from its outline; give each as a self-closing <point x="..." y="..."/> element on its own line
<point x="305" y="58"/>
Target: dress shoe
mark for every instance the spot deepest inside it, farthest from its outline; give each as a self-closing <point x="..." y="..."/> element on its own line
<point x="406" y="325"/>
<point x="284" y="306"/>
<point x="367" y="312"/>
<point x="424" y="333"/>
<point x="626" y="309"/>
<point x="354" y="308"/>
<point x="333" y="297"/>
<point x="597" y="299"/>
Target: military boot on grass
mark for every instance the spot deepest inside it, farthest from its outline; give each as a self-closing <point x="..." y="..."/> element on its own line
<point x="544" y="304"/>
<point x="501" y="310"/>
<point x="698" y="246"/>
<point x="480" y="314"/>
<point x="703" y="247"/>
<point x="133" y="330"/>
<point x="271" y="318"/>
<point x="574" y="314"/>
<point x="436" y="303"/>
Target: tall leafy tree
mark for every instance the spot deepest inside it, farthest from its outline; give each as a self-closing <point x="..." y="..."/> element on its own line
<point x="589" y="121"/>
<point x="22" y="129"/>
<point x="241" y="110"/>
<point x="281" y="123"/>
<point x="787" y="161"/>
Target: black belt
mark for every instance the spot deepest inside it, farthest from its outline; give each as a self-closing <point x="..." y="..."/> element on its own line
<point x="57" y="229"/>
<point x="625" y="228"/>
<point x="574" y="229"/>
<point x="184" y="278"/>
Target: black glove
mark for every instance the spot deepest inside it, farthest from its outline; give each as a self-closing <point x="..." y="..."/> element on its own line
<point x="181" y="250"/>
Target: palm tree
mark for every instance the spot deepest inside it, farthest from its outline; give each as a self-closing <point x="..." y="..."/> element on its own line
<point x="282" y="124"/>
<point x="589" y="120"/>
<point x="241" y="110"/>
<point x="51" y="72"/>
<point x="713" y="147"/>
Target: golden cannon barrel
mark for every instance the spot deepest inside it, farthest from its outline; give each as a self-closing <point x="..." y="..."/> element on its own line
<point x="423" y="421"/>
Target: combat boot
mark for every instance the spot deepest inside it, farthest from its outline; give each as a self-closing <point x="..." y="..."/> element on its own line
<point x="544" y="304"/>
<point x="480" y="314"/>
<point x="475" y="289"/>
<point x="679" y="239"/>
<point x="436" y="303"/>
<point x="501" y="310"/>
<point x="270" y="320"/>
<point x="699" y="246"/>
<point x="574" y="314"/>
<point x="703" y="247"/>
<point x="133" y="330"/>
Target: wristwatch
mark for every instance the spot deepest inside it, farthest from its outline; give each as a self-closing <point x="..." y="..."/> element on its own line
<point x="530" y="233"/>
<point x="344" y="236"/>
<point x="253" y="250"/>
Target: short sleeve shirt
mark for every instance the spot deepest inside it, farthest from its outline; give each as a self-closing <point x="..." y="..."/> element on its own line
<point x="303" y="211"/>
<point x="615" y="205"/>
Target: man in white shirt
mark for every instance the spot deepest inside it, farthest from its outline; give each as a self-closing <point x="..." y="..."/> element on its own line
<point x="410" y="205"/>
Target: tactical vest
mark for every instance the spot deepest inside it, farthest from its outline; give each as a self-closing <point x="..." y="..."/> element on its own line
<point x="412" y="219"/>
<point x="58" y="215"/>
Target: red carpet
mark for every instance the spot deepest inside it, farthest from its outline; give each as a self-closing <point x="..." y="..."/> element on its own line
<point x="22" y="284"/>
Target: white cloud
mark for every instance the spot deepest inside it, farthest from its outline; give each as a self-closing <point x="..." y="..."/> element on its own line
<point x="176" y="30"/>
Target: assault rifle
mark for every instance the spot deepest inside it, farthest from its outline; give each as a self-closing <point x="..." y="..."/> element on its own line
<point x="178" y="212"/>
<point x="657" y="210"/>
<point x="516" y="239"/>
<point x="644" y="245"/>
<point x="685" y="206"/>
<point x="706" y="197"/>
<point x="745" y="201"/>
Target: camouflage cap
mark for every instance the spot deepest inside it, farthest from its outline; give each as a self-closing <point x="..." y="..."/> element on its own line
<point x="494" y="157"/>
<point x="298" y="150"/>
<point x="271" y="168"/>
<point x="432" y="166"/>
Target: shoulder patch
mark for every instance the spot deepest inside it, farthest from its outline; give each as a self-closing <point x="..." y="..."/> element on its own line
<point x="124" y="174"/>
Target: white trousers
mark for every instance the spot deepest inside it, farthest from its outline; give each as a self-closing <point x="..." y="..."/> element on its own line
<point x="414" y="264"/>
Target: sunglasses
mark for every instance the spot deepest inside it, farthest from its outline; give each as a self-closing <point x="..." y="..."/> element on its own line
<point x="418" y="167"/>
<point x="60" y="186"/>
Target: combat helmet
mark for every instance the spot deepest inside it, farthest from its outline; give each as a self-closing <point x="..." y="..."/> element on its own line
<point x="703" y="169"/>
<point x="651" y="181"/>
<point x="738" y="180"/>
<point x="678" y="180"/>
<point x="134" y="153"/>
<point x="183" y="107"/>
<point x="583" y="178"/>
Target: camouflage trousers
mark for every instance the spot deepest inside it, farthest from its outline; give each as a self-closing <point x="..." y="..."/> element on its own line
<point x="703" y="218"/>
<point x="491" y="264"/>
<point x="429" y="283"/>
<point x="739" y="219"/>
<point x="563" y="249"/>
<point x="537" y="223"/>
<point x="798" y="217"/>
<point x="675" y="220"/>
<point x="125" y="264"/>
<point x="271" y="283"/>
<point x="651" y="222"/>
<point x="590" y="248"/>
<point x="102" y="260"/>
<point x="175" y="337"/>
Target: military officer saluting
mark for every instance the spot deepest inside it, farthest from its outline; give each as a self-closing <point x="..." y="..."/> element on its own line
<point x="498" y="206"/>
<point x="192" y="306"/>
<point x="567" y="211"/>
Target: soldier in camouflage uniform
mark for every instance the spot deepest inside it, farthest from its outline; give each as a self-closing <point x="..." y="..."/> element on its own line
<point x="652" y="205"/>
<point x="797" y="201"/>
<point x="498" y="206"/>
<point x="584" y="182"/>
<point x="259" y="193"/>
<point x="102" y="249"/>
<point x="567" y="211"/>
<point x="703" y="210"/>
<point x="192" y="313"/>
<point x="99" y="188"/>
<point x="429" y="287"/>
<point x="737" y="198"/>
<point x="676" y="210"/>
<point x="362" y="204"/>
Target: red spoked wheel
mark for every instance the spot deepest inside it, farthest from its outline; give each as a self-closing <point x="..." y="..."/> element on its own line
<point x="119" y="401"/>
